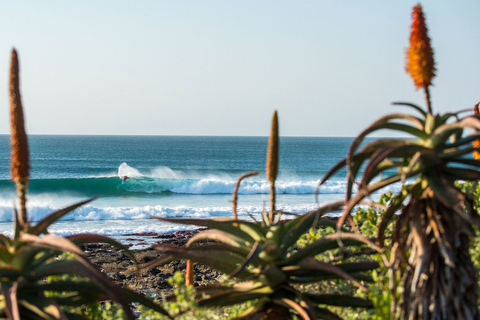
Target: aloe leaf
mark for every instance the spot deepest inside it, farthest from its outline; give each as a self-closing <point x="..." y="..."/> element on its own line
<point x="61" y="285"/>
<point x="253" y="229"/>
<point x="420" y="134"/>
<point x="372" y="171"/>
<point x="326" y="314"/>
<point x="226" y="249"/>
<point x="339" y="165"/>
<point x="356" y="267"/>
<point x="235" y="296"/>
<point x="250" y="312"/>
<point x="230" y="299"/>
<point x="240" y="228"/>
<point x="309" y="275"/>
<point x="85" y="268"/>
<point x="163" y="259"/>
<point x="441" y="192"/>
<point x="354" y="166"/>
<point x="339" y="300"/>
<point x="5" y="256"/>
<point x="52" y="242"/>
<point x="297" y="227"/>
<point x="217" y="288"/>
<point x="251" y="256"/>
<point x="386" y="143"/>
<point x="377" y="163"/>
<point x="382" y="160"/>
<point x="30" y="256"/>
<point x="17" y="225"/>
<point x="11" y="274"/>
<point x="364" y="277"/>
<point x="328" y="242"/>
<point x="363" y="192"/>
<point x="466" y="162"/>
<point x="43" y="224"/>
<point x="444" y="118"/>
<point x="43" y="307"/>
<point x="220" y="247"/>
<point x="223" y="262"/>
<point x="357" y="158"/>
<point x="74" y="316"/>
<point x="471" y="122"/>
<point x="383" y="123"/>
<point x="217" y="235"/>
<point x="339" y="270"/>
<point x="387" y="181"/>
<point x="136" y="297"/>
<point x="10" y="298"/>
<point x="304" y="314"/>
<point x="294" y="223"/>
<point x="460" y="142"/>
<point x="414" y="106"/>
<point x="353" y="169"/>
<point x="84" y="238"/>
<point x="443" y="132"/>
<point x="77" y="295"/>
<point x="455" y="154"/>
<point x="396" y="203"/>
<point x="462" y="174"/>
<point x="5" y="241"/>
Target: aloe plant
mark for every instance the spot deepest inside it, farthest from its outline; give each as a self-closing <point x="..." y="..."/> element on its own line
<point x="32" y="255"/>
<point x="265" y="262"/>
<point x="435" y="219"/>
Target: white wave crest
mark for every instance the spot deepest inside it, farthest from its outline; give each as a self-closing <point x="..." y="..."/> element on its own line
<point x="125" y="170"/>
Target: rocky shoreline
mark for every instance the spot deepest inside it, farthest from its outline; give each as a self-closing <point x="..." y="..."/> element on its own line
<point x="115" y="263"/>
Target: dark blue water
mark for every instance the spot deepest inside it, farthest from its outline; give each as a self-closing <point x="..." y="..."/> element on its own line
<point x="83" y="156"/>
<point x="168" y="176"/>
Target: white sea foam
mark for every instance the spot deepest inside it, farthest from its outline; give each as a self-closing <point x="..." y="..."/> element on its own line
<point x="118" y="221"/>
<point x="97" y="213"/>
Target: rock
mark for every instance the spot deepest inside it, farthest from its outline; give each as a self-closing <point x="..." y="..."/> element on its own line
<point x="116" y="264"/>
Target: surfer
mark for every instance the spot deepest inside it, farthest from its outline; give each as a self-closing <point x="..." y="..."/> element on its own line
<point x="124" y="179"/>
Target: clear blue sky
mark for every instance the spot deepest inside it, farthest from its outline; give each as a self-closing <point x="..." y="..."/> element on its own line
<point x="221" y="67"/>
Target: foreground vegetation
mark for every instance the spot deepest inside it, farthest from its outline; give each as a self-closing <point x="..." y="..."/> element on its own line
<point x="413" y="254"/>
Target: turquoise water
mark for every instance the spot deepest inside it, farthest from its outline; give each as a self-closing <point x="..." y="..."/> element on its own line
<point x="169" y="176"/>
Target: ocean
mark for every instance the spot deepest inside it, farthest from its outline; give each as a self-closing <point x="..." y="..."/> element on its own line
<point x="169" y="176"/>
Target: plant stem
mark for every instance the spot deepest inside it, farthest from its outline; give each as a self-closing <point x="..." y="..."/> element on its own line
<point x="427" y="97"/>
<point x="272" y="202"/>
<point x="21" y="193"/>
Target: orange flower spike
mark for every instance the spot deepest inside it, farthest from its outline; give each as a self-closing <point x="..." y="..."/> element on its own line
<point x="476" y="143"/>
<point x="420" y="62"/>
<point x="272" y="151"/>
<point x="272" y="162"/>
<point x="20" y="158"/>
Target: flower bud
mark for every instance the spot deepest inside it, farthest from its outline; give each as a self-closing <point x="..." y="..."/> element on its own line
<point x="420" y="63"/>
